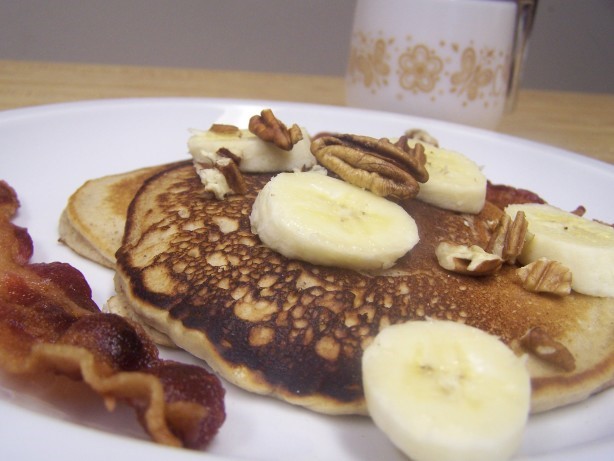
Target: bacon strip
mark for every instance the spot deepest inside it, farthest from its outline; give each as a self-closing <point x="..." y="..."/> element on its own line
<point x="50" y="324"/>
<point x="501" y="195"/>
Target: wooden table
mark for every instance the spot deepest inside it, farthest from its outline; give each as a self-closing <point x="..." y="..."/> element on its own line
<point x="580" y="122"/>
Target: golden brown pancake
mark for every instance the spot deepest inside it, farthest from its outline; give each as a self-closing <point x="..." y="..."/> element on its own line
<point x="92" y="224"/>
<point x="190" y="267"/>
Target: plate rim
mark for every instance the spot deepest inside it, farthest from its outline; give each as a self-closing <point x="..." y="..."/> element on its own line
<point x="73" y="106"/>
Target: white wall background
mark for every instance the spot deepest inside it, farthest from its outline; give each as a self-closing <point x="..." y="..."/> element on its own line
<point x="572" y="47"/>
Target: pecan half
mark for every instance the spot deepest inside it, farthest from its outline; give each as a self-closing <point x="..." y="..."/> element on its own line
<point x="508" y="237"/>
<point x="415" y="160"/>
<point x="374" y="164"/>
<point x="546" y="276"/>
<point x="468" y="260"/>
<point x="269" y="128"/>
<point x="539" y="343"/>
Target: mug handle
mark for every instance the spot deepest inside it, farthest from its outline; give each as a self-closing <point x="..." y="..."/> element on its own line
<point x="525" y="16"/>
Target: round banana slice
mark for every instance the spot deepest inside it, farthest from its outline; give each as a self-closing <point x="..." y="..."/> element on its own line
<point x="256" y="155"/>
<point x="455" y="182"/>
<point x="442" y="391"/>
<point x="585" y="247"/>
<point x="323" y="220"/>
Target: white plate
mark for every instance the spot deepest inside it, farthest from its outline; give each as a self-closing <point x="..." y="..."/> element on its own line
<point x="47" y="152"/>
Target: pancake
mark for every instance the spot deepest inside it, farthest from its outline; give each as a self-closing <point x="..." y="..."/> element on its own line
<point x="119" y="305"/>
<point x="92" y="224"/>
<point x="190" y="267"/>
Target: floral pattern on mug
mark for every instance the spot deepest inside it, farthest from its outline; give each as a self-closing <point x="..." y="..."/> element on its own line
<point x="419" y="69"/>
<point x="472" y="74"/>
<point x="369" y="61"/>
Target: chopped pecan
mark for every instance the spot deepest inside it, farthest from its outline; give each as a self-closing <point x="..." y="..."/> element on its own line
<point x="543" y="346"/>
<point x="579" y="211"/>
<point x="224" y="152"/>
<point x="376" y="165"/>
<point x="468" y="260"/>
<point x="220" y="128"/>
<point x="269" y="128"/>
<point x="233" y="175"/>
<point x="497" y="239"/>
<point x="221" y="177"/>
<point x="508" y="237"/>
<point x="422" y="135"/>
<point x="546" y="276"/>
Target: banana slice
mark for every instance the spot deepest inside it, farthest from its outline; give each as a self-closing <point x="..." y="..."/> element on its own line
<point x="442" y="391"/>
<point x="323" y="220"/>
<point x="257" y="156"/>
<point x="586" y="247"/>
<point x="455" y="182"/>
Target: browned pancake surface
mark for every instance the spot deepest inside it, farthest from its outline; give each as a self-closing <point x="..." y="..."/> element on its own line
<point x="92" y="224"/>
<point x="191" y="266"/>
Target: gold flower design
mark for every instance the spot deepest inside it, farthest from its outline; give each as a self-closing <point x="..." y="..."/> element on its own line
<point x="371" y="65"/>
<point x="419" y="69"/>
<point x="471" y="77"/>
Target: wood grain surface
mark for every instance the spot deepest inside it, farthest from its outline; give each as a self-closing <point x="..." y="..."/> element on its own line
<point x="579" y="122"/>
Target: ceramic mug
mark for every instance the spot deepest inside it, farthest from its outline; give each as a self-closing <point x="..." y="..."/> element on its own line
<point x="454" y="60"/>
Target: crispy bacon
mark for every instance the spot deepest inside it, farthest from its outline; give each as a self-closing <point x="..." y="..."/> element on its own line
<point x="502" y="195"/>
<point x="50" y="324"/>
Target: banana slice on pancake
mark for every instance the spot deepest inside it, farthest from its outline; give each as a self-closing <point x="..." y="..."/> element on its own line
<point x="256" y="155"/>
<point x="441" y="390"/>
<point x="456" y="183"/>
<point x="585" y="247"/>
<point x="323" y="220"/>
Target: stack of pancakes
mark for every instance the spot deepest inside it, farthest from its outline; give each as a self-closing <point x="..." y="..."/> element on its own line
<point x="189" y="268"/>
